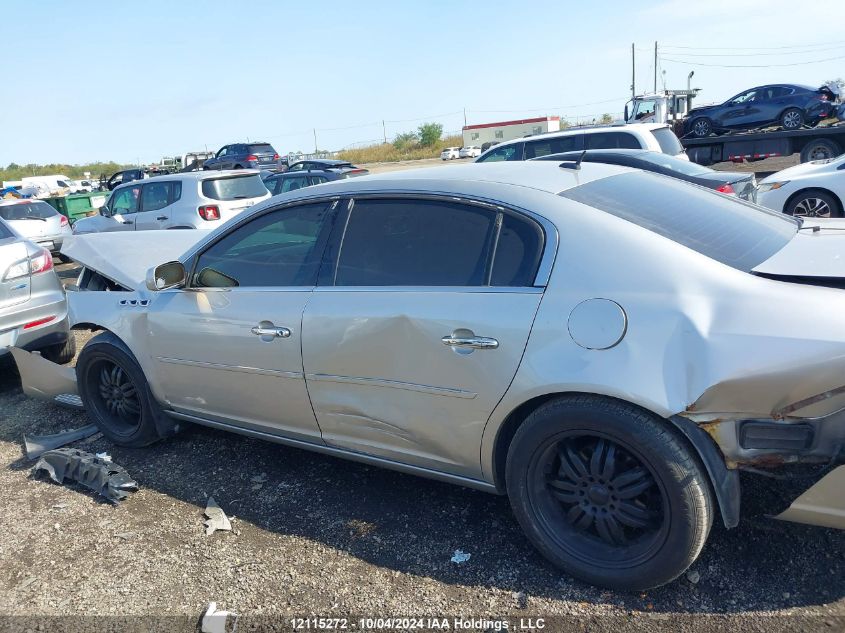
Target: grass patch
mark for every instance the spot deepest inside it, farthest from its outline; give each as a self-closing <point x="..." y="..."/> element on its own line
<point x="389" y="153"/>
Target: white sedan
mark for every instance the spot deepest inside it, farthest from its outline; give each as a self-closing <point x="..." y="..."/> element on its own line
<point x="450" y="153"/>
<point x="815" y="189"/>
<point x="471" y="151"/>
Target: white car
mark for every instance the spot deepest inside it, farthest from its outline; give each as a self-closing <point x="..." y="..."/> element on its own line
<point x="450" y="153"/>
<point x="192" y="200"/>
<point x="814" y="189"/>
<point x="657" y="137"/>
<point x="473" y="151"/>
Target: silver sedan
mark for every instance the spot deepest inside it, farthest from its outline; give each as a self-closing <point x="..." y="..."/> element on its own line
<point x="606" y="346"/>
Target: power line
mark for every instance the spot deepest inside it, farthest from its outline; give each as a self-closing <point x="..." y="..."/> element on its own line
<point x="808" y="61"/>
<point x="810" y="52"/>
<point x="751" y="48"/>
<point x="562" y="107"/>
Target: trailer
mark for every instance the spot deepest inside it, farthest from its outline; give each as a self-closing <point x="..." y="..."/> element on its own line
<point x="818" y="143"/>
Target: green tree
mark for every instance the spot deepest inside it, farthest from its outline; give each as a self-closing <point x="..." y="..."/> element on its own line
<point x="405" y="141"/>
<point x="430" y="133"/>
<point x="605" y="119"/>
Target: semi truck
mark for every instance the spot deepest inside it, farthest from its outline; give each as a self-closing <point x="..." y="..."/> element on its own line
<point x="824" y="141"/>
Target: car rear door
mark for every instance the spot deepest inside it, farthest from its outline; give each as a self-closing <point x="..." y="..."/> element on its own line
<point x="419" y="330"/>
<point x="228" y="347"/>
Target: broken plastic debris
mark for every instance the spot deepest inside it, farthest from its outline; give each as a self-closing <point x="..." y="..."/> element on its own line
<point x="217" y="519"/>
<point x="36" y="445"/>
<point x="104" y="456"/>
<point x="214" y="621"/>
<point x="460" y="556"/>
<point x="103" y="477"/>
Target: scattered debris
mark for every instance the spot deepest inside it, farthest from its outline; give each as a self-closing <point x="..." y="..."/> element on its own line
<point x="36" y="445"/>
<point x="103" y="477"/>
<point x="460" y="556"/>
<point x="217" y="519"/>
<point x="125" y="535"/>
<point x="693" y="576"/>
<point x="786" y="595"/>
<point x="259" y="479"/>
<point x="521" y="599"/>
<point x="104" y="456"/>
<point x="58" y="506"/>
<point x="214" y="621"/>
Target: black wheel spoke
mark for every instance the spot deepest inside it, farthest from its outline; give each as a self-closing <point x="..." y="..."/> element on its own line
<point x="632" y="515"/>
<point x="562" y="485"/>
<point x="597" y="460"/>
<point x="579" y="517"/>
<point x="566" y="497"/>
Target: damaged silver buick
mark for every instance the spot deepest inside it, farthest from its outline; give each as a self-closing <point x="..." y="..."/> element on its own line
<point x="605" y="346"/>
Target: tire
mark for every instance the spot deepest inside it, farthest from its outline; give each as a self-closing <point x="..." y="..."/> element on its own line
<point x="820" y="149"/>
<point x="792" y="119"/>
<point x="814" y="203"/>
<point x="238" y="167"/>
<point x="63" y="353"/>
<point x="630" y="507"/>
<point x="701" y="127"/>
<point x="127" y="416"/>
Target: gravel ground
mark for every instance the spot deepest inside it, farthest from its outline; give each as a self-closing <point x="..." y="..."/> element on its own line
<point x="317" y="536"/>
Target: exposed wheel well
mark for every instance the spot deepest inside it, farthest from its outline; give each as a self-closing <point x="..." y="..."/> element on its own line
<point x="806" y="189"/>
<point x="724" y="483"/>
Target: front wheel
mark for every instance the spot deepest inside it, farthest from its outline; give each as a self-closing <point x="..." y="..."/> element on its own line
<point x="115" y="392"/>
<point x="814" y="203"/>
<point x="701" y="127"/>
<point x="608" y="492"/>
<point x="792" y="119"/>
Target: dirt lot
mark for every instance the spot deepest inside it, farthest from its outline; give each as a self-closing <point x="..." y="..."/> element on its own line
<point x="313" y="535"/>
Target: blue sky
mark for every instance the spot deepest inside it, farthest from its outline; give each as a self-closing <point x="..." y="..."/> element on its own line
<point x="133" y="81"/>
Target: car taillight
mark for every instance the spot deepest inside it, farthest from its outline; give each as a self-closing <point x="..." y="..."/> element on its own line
<point x="209" y="212"/>
<point x="38" y="322"/>
<point x="275" y="157"/>
<point x="63" y="221"/>
<point x="823" y="97"/>
<point x="727" y="189"/>
<point x="40" y="262"/>
<point x="252" y="157"/>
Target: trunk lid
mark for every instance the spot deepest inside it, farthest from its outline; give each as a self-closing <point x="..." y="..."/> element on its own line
<point x="817" y="251"/>
<point x="16" y="290"/>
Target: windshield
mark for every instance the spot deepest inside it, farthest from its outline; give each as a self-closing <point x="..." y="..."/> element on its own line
<point x="234" y="187"/>
<point x="669" y="143"/>
<point x="733" y="232"/>
<point x="27" y="211"/>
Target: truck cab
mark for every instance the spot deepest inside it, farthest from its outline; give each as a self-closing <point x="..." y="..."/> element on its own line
<point x="660" y="107"/>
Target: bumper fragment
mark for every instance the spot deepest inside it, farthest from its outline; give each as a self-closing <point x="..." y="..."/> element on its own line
<point x="44" y="379"/>
<point x="823" y="504"/>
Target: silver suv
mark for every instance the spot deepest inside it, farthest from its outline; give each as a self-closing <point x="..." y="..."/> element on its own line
<point x="196" y="200"/>
<point x="33" y="311"/>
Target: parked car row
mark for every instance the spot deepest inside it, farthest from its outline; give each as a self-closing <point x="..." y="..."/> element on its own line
<point x="451" y="153"/>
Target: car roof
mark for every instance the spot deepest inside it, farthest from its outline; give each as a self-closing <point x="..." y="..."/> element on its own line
<point x="20" y="201"/>
<point x="473" y="178"/>
<point x="636" y="129"/>
<point x="190" y="175"/>
<point x="323" y="161"/>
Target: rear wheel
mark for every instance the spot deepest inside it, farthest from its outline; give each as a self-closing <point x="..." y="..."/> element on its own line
<point x="608" y="493"/>
<point x="792" y="119"/>
<point x="115" y="392"/>
<point x="814" y="203"/>
<point x="701" y="127"/>
<point x="820" y="149"/>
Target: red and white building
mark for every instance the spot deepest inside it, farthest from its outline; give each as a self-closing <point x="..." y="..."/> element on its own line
<point x="508" y="130"/>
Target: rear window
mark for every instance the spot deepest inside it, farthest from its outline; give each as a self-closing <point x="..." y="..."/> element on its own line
<point x="611" y="140"/>
<point x="28" y="210"/>
<point x="233" y="187"/>
<point x="731" y="231"/>
<point x="669" y="143"/>
<point x="262" y="148"/>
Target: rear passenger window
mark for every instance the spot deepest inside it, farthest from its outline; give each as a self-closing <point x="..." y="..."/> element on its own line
<point x="535" y="149"/>
<point x="157" y="195"/>
<point x="415" y="243"/>
<point x="518" y="252"/>
<point x="612" y="140"/>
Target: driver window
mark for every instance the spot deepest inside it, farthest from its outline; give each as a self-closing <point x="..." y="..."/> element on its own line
<point x="222" y="152"/>
<point x="751" y="95"/>
<point x="280" y="248"/>
<point x="126" y="201"/>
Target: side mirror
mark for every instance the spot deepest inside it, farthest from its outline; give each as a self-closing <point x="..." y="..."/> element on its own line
<point x="164" y="276"/>
<point x="626" y="113"/>
<point x="104" y="211"/>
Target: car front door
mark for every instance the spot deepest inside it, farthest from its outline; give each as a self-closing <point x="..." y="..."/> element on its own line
<point x="739" y="111"/>
<point x="228" y="346"/>
<point x="419" y="330"/>
<point x="219" y="161"/>
<point x="123" y="208"/>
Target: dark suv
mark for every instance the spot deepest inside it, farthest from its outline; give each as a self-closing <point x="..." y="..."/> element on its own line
<point x="245" y="156"/>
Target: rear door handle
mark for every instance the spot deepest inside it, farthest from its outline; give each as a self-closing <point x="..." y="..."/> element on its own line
<point x="470" y="342"/>
<point x="129" y="222"/>
<point x="161" y="217"/>
<point x="276" y="332"/>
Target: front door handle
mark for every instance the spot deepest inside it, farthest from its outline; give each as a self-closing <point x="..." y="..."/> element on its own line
<point x="161" y="217"/>
<point x="129" y="222"/>
<point x="470" y="342"/>
<point x="276" y="332"/>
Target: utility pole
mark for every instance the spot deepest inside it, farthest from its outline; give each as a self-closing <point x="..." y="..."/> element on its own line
<point x="384" y="131"/>
<point x="655" y="66"/>
<point x="633" y="72"/>
<point x="465" y="117"/>
<point x="315" y="140"/>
